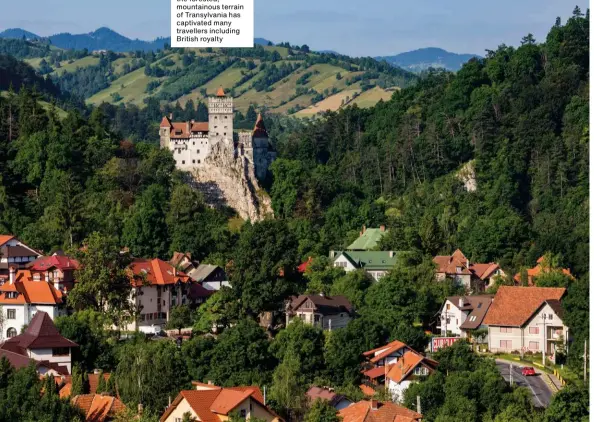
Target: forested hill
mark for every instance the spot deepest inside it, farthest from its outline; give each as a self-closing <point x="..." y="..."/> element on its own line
<point x="519" y="118"/>
<point x="282" y="78"/>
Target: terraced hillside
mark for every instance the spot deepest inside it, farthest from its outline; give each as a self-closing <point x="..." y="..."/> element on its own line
<point x="281" y="79"/>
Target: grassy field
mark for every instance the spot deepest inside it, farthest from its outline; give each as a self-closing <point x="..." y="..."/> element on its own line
<point x="131" y="87"/>
<point x="71" y="67"/>
<point x="332" y="103"/>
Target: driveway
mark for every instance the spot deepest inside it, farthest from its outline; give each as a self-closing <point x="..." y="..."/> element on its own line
<point x="541" y="393"/>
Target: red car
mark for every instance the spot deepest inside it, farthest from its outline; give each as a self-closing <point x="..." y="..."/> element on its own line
<point x="528" y="371"/>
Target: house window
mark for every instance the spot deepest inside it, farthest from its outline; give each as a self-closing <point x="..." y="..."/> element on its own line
<point x="243" y="413"/>
<point x="178" y="419"/>
<point x="11" y="332"/>
<point x="447" y="306"/>
<point x="11" y="295"/>
<point x="533" y="330"/>
<point x="11" y="314"/>
<point x="533" y="345"/>
<point x="60" y="351"/>
<point x="505" y="330"/>
<point x="340" y="264"/>
<point x="302" y="317"/>
<point x="550" y="316"/>
<point x="421" y="370"/>
<point x="479" y="305"/>
<point x="505" y="344"/>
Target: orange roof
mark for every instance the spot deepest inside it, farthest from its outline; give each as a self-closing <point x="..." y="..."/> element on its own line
<point x="5" y="238"/>
<point x="537" y="270"/>
<point x="376" y="372"/>
<point x="212" y="401"/>
<point x="94" y="381"/>
<point x="513" y="306"/>
<point x="367" y="390"/>
<point x="362" y="411"/>
<point x="66" y="390"/>
<point x="220" y="92"/>
<point x="155" y="272"/>
<point x="260" y="128"/>
<point x="200" y="127"/>
<point x="483" y="271"/>
<point x="30" y="291"/>
<point x="400" y="370"/>
<point x="450" y="264"/>
<point x="97" y="407"/>
<point x="165" y="122"/>
<point x="393" y="347"/>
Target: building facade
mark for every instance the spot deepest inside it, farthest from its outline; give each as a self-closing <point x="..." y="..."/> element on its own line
<point x="460" y="315"/>
<point x="375" y="263"/>
<point x="192" y="142"/>
<point x="322" y="311"/>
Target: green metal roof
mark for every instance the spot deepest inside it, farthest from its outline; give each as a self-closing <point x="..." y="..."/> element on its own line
<point x="367" y="241"/>
<point x="370" y="260"/>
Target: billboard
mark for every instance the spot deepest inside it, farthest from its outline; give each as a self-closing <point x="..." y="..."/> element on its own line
<point x="440" y="342"/>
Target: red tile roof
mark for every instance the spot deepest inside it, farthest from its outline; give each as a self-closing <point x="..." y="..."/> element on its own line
<point x="393" y="347"/>
<point x="155" y="272"/>
<point x="260" y="129"/>
<point x="537" y="270"/>
<point x="450" y="264"/>
<point x="304" y="265"/>
<point x="166" y="122"/>
<point x="367" y="390"/>
<point x="400" y="370"/>
<point x="29" y="291"/>
<point x="94" y="381"/>
<point x="5" y="238"/>
<point x="41" y="333"/>
<point x="384" y="412"/>
<point x="200" y="127"/>
<point x="514" y="306"/>
<point x="60" y="262"/>
<point x="373" y="373"/>
<point x="97" y="407"/>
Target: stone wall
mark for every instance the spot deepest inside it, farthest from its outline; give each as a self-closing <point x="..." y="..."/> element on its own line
<point x="229" y="179"/>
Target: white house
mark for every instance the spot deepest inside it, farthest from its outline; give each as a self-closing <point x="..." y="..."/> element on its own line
<point x="42" y="343"/>
<point x="16" y="253"/>
<point x="459" y="315"/>
<point x="21" y="297"/>
<point x="157" y="287"/>
<point x="327" y="312"/>
<point x="375" y="263"/>
<point x="527" y="319"/>
<point x="395" y="366"/>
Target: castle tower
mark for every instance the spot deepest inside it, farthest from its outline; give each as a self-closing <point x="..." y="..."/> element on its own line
<point x="165" y="132"/>
<point x="220" y="117"/>
<point x="261" y="148"/>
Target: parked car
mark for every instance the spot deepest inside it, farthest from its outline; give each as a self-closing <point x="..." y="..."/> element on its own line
<point x="528" y="371"/>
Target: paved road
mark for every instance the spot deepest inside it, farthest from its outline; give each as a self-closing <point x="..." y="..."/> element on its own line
<point x="541" y="393"/>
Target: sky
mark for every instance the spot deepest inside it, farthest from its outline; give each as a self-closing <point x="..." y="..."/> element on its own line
<point x="357" y="28"/>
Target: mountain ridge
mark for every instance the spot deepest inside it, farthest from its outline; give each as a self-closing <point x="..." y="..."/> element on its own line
<point x="424" y="58"/>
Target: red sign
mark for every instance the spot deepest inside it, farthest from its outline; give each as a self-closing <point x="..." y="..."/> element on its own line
<point x="440" y="342"/>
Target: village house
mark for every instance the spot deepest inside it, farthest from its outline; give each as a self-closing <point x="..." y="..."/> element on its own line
<point x="211" y="277"/>
<point x="157" y="287"/>
<point x="527" y="319"/>
<point x="42" y="343"/>
<point x="338" y="401"/>
<point x="368" y="239"/>
<point x="326" y="312"/>
<point x="540" y="268"/>
<point x="394" y="367"/>
<point x="211" y="403"/>
<point x="474" y="277"/>
<point x="22" y="295"/>
<point x="375" y="263"/>
<point x="55" y="269"/>
<point x="14" y="253"/>
<point x="461" y="315"/>
<point x="98" y="407"/>
<point x="378" y="411"/>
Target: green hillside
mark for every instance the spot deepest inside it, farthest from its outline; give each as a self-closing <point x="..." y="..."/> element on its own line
<point x="276" y="78"/>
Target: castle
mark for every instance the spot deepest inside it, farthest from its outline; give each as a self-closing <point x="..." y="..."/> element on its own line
<point x="191" y="142"/>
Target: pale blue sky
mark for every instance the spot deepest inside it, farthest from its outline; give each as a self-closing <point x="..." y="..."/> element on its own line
<point x="370" y="28"/>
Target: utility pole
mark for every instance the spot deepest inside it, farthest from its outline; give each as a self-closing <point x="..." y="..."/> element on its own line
<point x="585" y="360"/>
<point x="544" y="336"/>
<point x="419" y="405"/>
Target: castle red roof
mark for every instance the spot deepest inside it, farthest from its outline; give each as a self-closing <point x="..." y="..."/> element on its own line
<point x="165" y="122"/>
<point x="260" y="129"/>
<point x="220" y="92"/>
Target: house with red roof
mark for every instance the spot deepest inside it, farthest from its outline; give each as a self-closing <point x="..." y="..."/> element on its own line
<point x="14" y="253"/>
<point x="211" y="403"/>
<point x="42" y="343"/>
<point x="378" y="411"/>
<point x="475" y="277"/>
<point x="98" y="407"/>
<point x="540" y="268"/>
<point x="394" y="366"/>
<point x="326" y="312"/>
<point x="22" y="295"/>
<point x="56" y="269"/>
<point x="157" y="287"/>
<point x="337" y="401"/>
<point x="527" y="319"/>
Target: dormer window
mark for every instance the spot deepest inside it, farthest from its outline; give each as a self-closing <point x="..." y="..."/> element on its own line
<point x="11" y="295"/>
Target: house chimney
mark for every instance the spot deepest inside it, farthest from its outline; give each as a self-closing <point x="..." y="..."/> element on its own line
<point x="391" y="254"/>
<point x="373" y="404"/>
<point x="382" y="228"/>
<point x="12" y="274"/>
<point x="460" y="301"/>
<point x="364" y="228"/>
<point x="170" y="116"/>
<point x="209" y="382"/>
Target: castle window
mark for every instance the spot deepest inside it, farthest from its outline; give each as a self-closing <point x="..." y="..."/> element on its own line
<point x="193" y="161"/>
<point x="193" y="143"/>
<point x="225" y="133"/>
<point x="183" y="161"/>
<point x="225" y="117"/>
<point x="198" y="151"/>
<point x="198" y="161"/>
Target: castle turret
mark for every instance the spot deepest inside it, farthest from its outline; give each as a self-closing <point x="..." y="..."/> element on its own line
<point x="165" y="132"/>
<point x="260" y="146"/>
<point x="220" y="117"/>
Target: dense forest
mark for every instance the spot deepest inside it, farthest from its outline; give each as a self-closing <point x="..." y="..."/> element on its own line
<point x="492" y="160"/>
